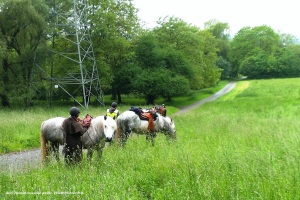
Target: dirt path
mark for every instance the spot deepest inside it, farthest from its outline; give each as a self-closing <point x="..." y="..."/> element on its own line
<point x="213" y="97"/>
<point x="13" y="162"/>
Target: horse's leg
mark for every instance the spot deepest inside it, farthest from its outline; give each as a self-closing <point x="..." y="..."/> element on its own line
<point x="99" y="148"/>
<point x="124" y="136"/>
<point x="150" y="136"/>
<point x="90" y="151"/>
<point x="48" y="150"/>
<point x="153" y="135"/>
<point x="55" y="148"/>
<point x="167" y="135"/>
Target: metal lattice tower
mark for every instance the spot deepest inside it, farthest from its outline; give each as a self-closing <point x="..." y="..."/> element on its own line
<point x="74" y="68"/>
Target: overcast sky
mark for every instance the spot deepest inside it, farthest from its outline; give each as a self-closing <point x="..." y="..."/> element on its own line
<point x="281" y="15"/>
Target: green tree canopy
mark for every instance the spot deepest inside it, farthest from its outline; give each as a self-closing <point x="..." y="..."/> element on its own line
<point x="115" y="25"/>
<point x="198" y="50"/>
<point x="157" y="75"/>
<point x="221" y="32"/>
<point x="288" y="60"/>
<point x="23" y="29"/>
<point x="249" y="41"/>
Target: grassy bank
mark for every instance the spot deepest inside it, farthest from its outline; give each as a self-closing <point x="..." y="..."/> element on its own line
<point x="244" y="145"/>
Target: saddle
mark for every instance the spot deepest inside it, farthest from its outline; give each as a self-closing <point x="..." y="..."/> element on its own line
<point x="149" y="115"/>
<point x="86" y="122"/>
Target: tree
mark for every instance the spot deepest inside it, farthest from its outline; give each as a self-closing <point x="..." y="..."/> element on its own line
<point x="288" y="59"/>
<point x="197" y="48"/>
<point x="221" y="32"/>
<point x="158" y="72"/>
<point x="257" y="66"/>
<point x="288" y="39"/>
<point x="249" y="41"/>
<point x="115" y="25"/>
<point x="153" y="83"/>
<point x="23" y="30"/>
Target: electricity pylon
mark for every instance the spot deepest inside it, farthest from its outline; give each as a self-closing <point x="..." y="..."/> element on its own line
<point x="74" y="68"/>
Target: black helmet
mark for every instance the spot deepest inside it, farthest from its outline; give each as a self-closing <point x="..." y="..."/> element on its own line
<point x="74" y="111"/>
<point x="114" y="104"/>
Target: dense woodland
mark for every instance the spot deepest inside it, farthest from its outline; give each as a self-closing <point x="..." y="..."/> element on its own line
<point x="169" y="60"/>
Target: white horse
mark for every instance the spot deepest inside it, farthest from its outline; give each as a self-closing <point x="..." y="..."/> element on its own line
<point x="102" y="129"/>
<point x="129" y="122"/>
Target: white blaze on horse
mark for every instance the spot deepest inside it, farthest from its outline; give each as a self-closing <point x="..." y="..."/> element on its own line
<point x="102" y="129"/>
<point x="129" y="122"/>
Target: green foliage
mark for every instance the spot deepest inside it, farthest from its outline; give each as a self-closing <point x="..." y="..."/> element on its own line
<point x="193" y="58"/>
<point x="174" y="58"/>
<point x="115" y="26"/>
<point x="23" y="30"/>
<point x="256" y="66"/>
<point x="162" y="71"/>
<point x="196" y="50"/>
<point x="158" y="82"/>
<point x="220" y="31"/>
<point x="225" y="66"/>
<point x="250" y="41"/>
<point x="288" y="61"/>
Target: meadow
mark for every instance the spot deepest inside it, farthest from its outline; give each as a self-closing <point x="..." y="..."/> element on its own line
<point x="244" y="145"/>
<point x="20" y="129"/>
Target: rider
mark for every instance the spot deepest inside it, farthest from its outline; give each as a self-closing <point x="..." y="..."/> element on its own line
<point x="113" y="111"/>
<point x="73" y="130"/>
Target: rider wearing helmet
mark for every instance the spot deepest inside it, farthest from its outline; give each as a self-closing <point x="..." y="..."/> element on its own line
<point x="73" y="130"/>
<point x="113" y="112"/>
<point x="74" y="111"/>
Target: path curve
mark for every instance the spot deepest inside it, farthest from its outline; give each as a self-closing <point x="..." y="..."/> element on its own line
<point x="213" y="97"/>
<point x="13" y="162"/>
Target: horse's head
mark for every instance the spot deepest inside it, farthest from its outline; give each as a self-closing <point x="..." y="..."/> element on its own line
<point x="168" y="126"/>
<point x="110" y="127"/>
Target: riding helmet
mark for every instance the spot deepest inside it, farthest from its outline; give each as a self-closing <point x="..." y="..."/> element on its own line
<point x="74" y="111"/>
<point x="114" y="104"/>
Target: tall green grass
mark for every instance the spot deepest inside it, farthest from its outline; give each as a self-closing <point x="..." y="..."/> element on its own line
<point x="244" y="145"/>
<point x="20" y="129"/>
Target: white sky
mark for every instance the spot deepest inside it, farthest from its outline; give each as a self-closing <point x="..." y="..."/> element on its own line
<point x="281" y="15"/>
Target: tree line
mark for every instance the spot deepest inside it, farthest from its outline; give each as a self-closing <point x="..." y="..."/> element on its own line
<point x="169" y="60"/>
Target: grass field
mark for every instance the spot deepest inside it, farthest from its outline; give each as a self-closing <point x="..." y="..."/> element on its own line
<point x="20" y="128"/>
<point x="244" y="145"/>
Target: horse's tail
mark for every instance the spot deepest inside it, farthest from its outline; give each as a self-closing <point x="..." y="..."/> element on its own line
<point x="43" y="144"/>
<point x="123" y="130"/>
<point x="120" y="127"/>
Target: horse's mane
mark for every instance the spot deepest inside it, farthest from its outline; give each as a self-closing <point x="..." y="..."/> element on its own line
<point x="97" y="122"/>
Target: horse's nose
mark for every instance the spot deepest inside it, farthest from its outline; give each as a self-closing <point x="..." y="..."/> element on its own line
<point x="108" y="139"/>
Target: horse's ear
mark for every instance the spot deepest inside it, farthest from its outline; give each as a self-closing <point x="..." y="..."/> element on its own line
<point x="105" y="117"/>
